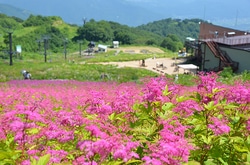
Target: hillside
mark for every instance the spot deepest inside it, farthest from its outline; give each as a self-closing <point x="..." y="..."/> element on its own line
<point x="182" y="28"/>
<point x="168" y="34"/>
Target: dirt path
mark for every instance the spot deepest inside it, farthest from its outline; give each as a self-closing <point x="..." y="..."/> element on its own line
<point x="139" y="49"/>
<point x="152" y="64"/>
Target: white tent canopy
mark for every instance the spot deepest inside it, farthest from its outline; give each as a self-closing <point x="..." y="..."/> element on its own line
<point x="102" y="48"/>
<point x="189" y="67"/>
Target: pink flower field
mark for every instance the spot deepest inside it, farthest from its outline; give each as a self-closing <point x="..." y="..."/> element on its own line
<point x="156" y="122"/>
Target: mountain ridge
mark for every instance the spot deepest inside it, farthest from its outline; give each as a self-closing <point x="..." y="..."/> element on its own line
<point x="14" y="11"/>
<point x="138" y="12"/>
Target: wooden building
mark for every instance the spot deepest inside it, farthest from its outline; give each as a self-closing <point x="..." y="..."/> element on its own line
<point x="219" y="47"/>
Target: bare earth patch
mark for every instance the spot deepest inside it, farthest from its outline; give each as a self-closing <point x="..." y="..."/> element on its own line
<point x="158" y="65"/>
<point x="139" y="49"/>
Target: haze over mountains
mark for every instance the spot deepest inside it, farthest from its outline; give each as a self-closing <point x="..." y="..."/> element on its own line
<point x="228" y="13"/>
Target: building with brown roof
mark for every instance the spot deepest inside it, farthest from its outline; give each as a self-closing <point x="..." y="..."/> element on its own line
<point x="218" y="47"/>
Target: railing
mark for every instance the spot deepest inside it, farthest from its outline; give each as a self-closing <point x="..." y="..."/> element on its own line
<point x="236" y="40"/>
<point x="222" y="55"/>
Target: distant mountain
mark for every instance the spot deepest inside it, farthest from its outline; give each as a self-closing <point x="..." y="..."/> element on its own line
<point x="75" y="11"/>
<point x="14" y="11"/>
<point x="229" y="13"/>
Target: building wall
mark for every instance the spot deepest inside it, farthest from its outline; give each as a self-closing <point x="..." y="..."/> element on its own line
<point x="210" y="60"/>
<point x="241" y="56"/>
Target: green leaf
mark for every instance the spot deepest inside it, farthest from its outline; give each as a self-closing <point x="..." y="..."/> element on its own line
<point x="236" y="139"/>
<point x="198" y="129"/>
<point x="198" y="97"/>
<point x="247" y="142"/>
<point x="32" y="131"/>
<point x="193" y="121"/>
<point x="222" y="161"/>
<point x="209" y="162"/>
<point x="235" y="119"/>
<point x="134" y="161"/>
<point x="136" y="124"/>
<point x="216" y="90"/>
<point x="144" y="109"/>
<point x="121" y="119"/>
<point x="210" y="106"/>
<point x="191" y="163"/>
<point x="182" y="98"/>
<point x="223" y="140"/>
<point x="166" y="92"/>
<point x="206" y="140"/>
<point x="240" y="149"/>
<point x="4" y="155"/>
<point x="44" y="160"/>
<point x="112" y="116"/>
<point x="198" y="116"/>
<point x="248" y="157"/>
<point x="167" y="106"/>
<point x="7" y="162"/>
<point x="33" y="161"/>
<point x="114" y="162"/>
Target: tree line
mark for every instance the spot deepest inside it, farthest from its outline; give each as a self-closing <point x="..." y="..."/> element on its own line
<point x="168" y="33"/>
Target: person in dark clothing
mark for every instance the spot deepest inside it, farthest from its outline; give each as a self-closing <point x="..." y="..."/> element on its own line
<point x="26" y="75"/>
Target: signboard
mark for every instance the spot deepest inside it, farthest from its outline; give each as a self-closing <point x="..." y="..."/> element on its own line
<point x="18" y="49"/>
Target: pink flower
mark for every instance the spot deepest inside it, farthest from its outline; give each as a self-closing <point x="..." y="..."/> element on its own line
<point x="239" y="94"/>
<point x="125" y="153"/>
<point x="32" y="152"/>
<point x="66" y="136"/>
<point x="53" y="132"/>
<point x="172" y="148"/>
<point x="248" y="125"/>
<point x="95" y="131"/>
<point x="2" y="134"/>
<point x="57" y="155"/>
<point x="17" y="126"/>
<point x="154" y="90"/>
<point x="20" y="137"/>
<point x="151" y="161"/>
<point x="26" y="162"/>
<point x="207" y="81"/>
<point x="219" y="127"/>
<point x="102" y="147"/>
<point x="187" y="108"/>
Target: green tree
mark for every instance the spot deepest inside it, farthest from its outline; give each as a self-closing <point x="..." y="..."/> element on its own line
<point x="172" y="42"/>
<point x="123" y="36"/>
<point x="95" y="31"/>
<point x="181" y="28"/>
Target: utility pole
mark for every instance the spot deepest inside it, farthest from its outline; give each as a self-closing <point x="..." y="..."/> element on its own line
<point x="84" y="21"/>
<point x="45" y="41"/>
<point x="10" y="44"/>
<point x="45" y="50"/>
<point x="65" y="48"/>
<point x="80" y="47"/>
<point x="39" y="44"/>
<point x="10" y="32"/>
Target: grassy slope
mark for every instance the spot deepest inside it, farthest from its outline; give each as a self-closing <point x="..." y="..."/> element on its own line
<point x="81" y="69"/>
